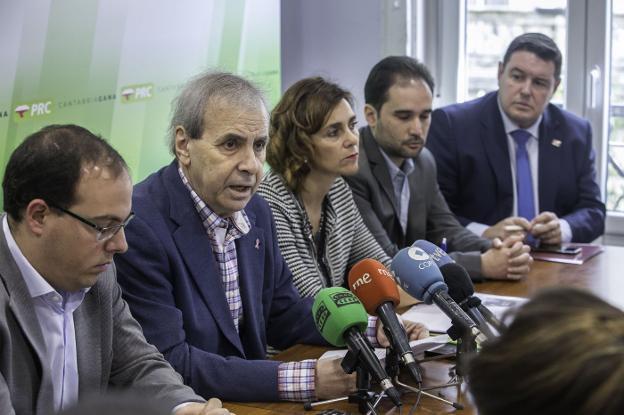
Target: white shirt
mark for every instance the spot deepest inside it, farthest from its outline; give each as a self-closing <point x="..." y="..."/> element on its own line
<point x="54" y="312"/>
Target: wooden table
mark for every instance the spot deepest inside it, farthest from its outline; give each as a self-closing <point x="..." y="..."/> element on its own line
<point x="603" y="275"/>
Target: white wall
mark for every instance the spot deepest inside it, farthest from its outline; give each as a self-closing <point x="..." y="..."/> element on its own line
<point x="339" y="39"/>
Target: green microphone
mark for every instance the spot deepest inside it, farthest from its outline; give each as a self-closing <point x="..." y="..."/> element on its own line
<point x="341" y="319"/>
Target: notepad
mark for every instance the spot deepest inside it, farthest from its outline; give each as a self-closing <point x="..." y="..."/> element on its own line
<point x="437" y="322"/>
<point x="418" y="346"/>
<point x="587" y="251"/>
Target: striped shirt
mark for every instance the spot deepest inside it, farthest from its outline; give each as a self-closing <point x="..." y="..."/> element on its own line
<point x="295" y="379"/>
<point x="347" y="239"/>
<point x="222" y="233"/>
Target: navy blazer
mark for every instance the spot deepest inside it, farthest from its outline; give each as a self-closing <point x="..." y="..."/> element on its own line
<point x="469" y="143"/>
<point x="171" y="281"/>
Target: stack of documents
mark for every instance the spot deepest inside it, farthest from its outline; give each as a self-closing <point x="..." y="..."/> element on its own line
<point x="418" y="346"/>
<point x="437" y="322"/>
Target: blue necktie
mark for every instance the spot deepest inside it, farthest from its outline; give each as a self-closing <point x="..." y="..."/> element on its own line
<point x="524" y="184"/>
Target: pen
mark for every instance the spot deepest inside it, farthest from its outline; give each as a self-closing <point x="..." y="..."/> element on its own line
<point x="443" y="244"/>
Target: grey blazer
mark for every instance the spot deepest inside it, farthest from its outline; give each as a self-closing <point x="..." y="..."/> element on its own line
<point x="112" y="350"/>
<point x="429" y="216"/>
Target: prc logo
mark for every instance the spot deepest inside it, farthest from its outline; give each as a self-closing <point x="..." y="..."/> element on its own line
<point x="135" y="93"/>
<point x="342" y="299"/>
<point x="32" y="110"/>
<point x="21" y="110"/>
<point x="417" y="254"/>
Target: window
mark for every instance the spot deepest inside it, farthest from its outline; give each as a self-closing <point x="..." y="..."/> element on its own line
<point x="467" y="38"/>
<point x="615" y="169"/>
<point x="492" y="24"/>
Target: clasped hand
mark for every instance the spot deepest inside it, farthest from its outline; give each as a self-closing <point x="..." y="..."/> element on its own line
<point x="545" y="227"/>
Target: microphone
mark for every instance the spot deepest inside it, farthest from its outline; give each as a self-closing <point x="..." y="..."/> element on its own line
<point x="340" y="318"/>
<point x="461" y="288"/>
<point x="374" y="285"/>
<point x="459" y="284"/>
<point x="418" y="274"/>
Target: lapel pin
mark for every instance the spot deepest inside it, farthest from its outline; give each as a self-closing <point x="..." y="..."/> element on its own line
<point x="258" y="244"/>
<point x="555" y="142"/>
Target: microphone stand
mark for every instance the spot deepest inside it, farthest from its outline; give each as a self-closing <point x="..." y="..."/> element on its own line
<point x="392" y="369"/>
<point x="366" y="400"/>
<point x="466" y="345"/>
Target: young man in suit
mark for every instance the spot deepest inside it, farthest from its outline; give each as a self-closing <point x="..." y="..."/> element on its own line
<point x="513" y="158"/>
<point x="395" y="187"/>
<point x="65" y="332"/>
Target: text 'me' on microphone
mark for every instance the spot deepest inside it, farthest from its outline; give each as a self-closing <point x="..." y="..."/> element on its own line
<point x="374" y="285"/>
<point x="341" y="319"/>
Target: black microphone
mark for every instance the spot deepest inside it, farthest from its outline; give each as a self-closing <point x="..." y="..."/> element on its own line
<point x="420" y="277"/>
<point x="487" y="313"/>
<point x="461" y="288"/>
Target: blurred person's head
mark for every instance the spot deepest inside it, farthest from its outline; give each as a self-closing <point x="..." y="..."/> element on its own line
<point x="313" y="131"/>
<point x="399" y="97"/>
<point x="219" y="132"/>
<point x="562" y="354"/>
<point x="528" y="77"/>
<point x="67" y="194"/>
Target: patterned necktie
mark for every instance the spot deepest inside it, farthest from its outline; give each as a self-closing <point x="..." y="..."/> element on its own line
<point x="524" y="183"/>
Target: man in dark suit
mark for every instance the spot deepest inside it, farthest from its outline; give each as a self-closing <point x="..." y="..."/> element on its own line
<point x="512" y="158"/>
<point x="204" y="275"/>
<point x="65" y="332"/>
<point x="395" y="187"/>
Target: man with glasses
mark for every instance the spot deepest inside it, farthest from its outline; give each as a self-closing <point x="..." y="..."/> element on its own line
<point x="65" y="332"/>
<point x="104" y="233"/>
<point x="511" y="160"/>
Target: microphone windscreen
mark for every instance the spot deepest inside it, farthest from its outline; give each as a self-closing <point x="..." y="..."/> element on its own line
<point x="459" y="283"/>
<point x="336" y="310"/>
<point x="373" y="284"/>
<point x="436" y="253"/>
<point x="417" y="273"/>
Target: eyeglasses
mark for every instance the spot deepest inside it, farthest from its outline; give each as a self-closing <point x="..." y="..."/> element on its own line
<point x="104" y="233"/>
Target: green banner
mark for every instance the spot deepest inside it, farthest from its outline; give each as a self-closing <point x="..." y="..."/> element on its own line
<point x="114" y="66"/>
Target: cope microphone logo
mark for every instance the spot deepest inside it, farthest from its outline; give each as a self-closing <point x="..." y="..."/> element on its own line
<point x="30" y="110"/>
<point x="136" y="93"/>
<point x="342" y="299"/>
<point x="417" y="254"/>
<point x="321" y="316"/>
<point x="438" y="254"/>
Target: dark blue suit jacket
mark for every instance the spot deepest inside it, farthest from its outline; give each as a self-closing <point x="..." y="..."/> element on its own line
<point x="469" y="143"/>
<point x="171" y="281"/>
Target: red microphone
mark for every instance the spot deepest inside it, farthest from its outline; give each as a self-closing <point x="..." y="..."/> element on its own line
<point x="374" y="285"/>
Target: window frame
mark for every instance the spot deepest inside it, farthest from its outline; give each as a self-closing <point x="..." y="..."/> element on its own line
<point x="440" y="41"/>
